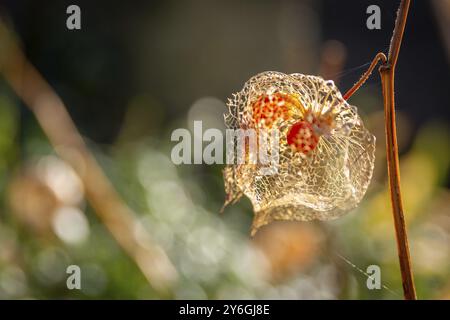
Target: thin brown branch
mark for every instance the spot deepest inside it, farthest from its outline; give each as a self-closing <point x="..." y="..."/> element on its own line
<point x="397" y="36"/>
<point x="387" y="72"/>
<point x="54" y="119"/>
<point x="380" y="56"/>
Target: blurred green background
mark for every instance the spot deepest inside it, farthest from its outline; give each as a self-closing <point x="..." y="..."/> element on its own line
<point x="136" y="71"/>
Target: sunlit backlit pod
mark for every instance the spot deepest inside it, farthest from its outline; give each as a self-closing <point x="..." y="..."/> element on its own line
<point x="326" y="154"/>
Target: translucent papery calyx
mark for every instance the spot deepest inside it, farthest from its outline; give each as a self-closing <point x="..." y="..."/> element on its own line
<point x="326" y="155"/>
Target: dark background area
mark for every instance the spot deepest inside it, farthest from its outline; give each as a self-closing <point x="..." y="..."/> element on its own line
<point x="188" y="45"/>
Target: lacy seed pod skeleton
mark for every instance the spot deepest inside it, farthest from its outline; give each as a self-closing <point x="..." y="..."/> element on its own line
<point x="326" y="155"/>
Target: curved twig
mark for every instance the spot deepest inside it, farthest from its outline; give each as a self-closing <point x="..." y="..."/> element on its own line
<point x="380" y="56"/>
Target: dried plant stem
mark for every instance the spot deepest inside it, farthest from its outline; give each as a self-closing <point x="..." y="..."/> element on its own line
<point x="54" y="119"/>
<point x="380" y="56"/>
<point x="387" y="72"/>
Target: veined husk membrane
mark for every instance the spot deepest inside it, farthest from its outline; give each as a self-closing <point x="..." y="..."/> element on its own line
<point x="326" y="155"/>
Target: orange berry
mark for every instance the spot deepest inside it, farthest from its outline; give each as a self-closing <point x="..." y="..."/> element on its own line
<point x="302" y="138"/>
<point x="267" y="109"/>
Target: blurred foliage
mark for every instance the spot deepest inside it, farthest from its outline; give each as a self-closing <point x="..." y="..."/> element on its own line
<point x="47" y="225"/>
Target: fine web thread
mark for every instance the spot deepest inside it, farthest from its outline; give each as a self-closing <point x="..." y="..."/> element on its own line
<point x="349" y="70"/>
<point x="346" y="72"/>
<point x="365" y="273"/>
